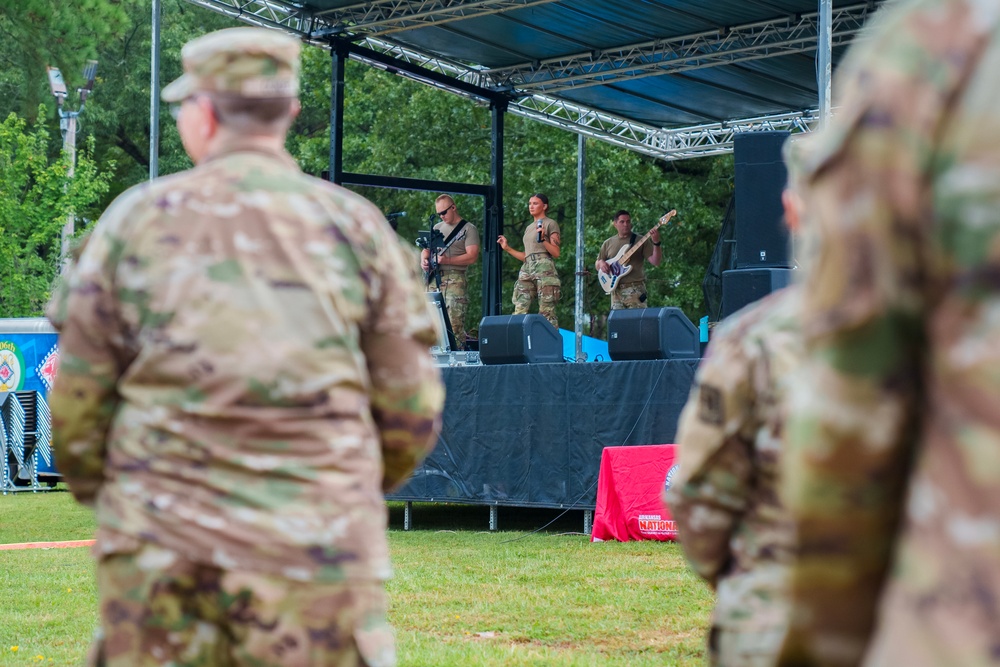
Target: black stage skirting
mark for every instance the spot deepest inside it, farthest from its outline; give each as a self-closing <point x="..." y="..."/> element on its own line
<point x="531" y="435"/>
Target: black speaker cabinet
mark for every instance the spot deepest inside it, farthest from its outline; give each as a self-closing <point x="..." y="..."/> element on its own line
<point x="741" y="287"/>
<point x="519" y="339"/>
<point x="652" y="333"/>
<point x="761" y="235"/>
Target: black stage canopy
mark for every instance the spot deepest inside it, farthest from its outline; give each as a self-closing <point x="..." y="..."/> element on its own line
<point x="669" y="78"/>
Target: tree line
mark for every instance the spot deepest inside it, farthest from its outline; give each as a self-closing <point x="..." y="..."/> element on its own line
<point x="393" y="126"/>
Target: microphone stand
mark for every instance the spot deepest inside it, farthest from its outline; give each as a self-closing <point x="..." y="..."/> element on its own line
<point x="434" y="269"/>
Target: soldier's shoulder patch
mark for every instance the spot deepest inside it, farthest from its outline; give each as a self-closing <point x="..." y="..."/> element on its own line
<point x="710" y="406"/>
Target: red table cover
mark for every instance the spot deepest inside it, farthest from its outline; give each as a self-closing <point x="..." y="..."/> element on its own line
<point x="630" y="494"/>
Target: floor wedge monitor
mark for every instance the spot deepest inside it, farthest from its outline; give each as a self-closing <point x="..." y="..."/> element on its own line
<point x="652" y="333"/>
<point x="519" y="339"/>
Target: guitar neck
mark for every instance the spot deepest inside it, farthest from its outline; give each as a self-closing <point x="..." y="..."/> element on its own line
<point x="638" y="244"/>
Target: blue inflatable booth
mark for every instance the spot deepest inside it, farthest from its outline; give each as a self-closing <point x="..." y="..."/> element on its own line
<point x="29" y="358"/>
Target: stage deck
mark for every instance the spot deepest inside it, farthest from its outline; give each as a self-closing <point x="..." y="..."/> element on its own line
<point x="531" y="435"/>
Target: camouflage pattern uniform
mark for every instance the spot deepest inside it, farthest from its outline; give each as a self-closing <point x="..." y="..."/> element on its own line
<point x="724" y="497"/>
<point x="893" y="466"/>
<point x="631" y="290"/>
<point x="538" y="278"/>
<point x="454" y="281"/>
<point x="245" y="369"/>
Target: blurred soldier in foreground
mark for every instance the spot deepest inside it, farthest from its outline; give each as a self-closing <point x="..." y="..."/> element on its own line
<point x="245" y="369"/>
<point x="893" y="466"/>
<point x="732" y="527"/>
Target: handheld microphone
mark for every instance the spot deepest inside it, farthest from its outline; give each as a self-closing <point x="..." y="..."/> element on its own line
<point x="538" y="230"/>
<point x="398" y="214"/>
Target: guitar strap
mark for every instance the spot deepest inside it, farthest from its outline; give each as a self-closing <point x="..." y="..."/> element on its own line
<point x="631" y="241"/>
<point x="454" y="235"/>
<point x="428" y="275"/>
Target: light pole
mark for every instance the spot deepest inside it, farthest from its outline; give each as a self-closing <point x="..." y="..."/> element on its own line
<point x="67" y="125"/>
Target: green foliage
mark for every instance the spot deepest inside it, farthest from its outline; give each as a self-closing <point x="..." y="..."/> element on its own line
<point x="36" y="197"/>
<point x="38" y="33"/>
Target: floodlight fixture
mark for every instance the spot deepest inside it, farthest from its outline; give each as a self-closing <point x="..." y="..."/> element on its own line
<point x="56" y="84"/>
<point x="89" y="74"/>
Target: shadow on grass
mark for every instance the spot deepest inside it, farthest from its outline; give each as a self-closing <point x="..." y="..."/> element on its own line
<point x="442" y="516"/>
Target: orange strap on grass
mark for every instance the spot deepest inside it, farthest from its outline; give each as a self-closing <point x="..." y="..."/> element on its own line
<point x="47" y="545"/>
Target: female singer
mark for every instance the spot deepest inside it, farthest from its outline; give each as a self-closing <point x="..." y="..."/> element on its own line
<point x="538" y="277"/>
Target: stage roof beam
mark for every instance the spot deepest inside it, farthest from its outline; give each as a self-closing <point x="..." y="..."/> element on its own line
<point x="384" y="17"/>
<point x="724" y="46"/>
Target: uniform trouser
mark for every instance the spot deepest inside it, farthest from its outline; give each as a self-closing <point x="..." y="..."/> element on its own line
<point x="537" y="280"/>
<point x="456" y="300"/>
<point x="158" y="609"/>
<point x="629" y="295"/>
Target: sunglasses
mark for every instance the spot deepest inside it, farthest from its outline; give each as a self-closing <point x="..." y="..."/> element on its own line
<point x="441" y="213"/>
<point x="175" y="108"/>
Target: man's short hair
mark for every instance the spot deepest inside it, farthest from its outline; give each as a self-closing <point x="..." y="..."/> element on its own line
<point x="619" y="214"/>
<point x="253" y="115"/>
<point x="443" y="197"/>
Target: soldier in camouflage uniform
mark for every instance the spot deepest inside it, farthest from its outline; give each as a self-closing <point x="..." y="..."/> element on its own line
<point x="245" y="371"/>
<point x="724" y="497"/>
<point x="893" y="466"/>
<point x="630" y="292"/>
<point x="538" y="278"/>
<point x="453" y="263"/>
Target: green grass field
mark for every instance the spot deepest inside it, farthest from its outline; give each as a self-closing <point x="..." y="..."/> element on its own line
<point x="461" y="595"/>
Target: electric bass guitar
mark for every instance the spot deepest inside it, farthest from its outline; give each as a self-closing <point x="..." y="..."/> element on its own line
<point x="618" y="265"/>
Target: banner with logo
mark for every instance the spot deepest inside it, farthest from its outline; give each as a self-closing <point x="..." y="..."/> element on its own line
<point x="630" y="494"/>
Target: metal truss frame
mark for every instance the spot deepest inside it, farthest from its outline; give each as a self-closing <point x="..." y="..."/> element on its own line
<point x="383" y="17"/>
<point x="724" y="46"/>
<point x="666" y="144"/>
<point x="528" y="86"/>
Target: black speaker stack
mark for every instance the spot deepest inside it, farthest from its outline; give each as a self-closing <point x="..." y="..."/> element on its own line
<point x="763" y="253"/>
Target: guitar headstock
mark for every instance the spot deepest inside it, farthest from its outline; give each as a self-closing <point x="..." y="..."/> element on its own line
<point x="666" y="218"/>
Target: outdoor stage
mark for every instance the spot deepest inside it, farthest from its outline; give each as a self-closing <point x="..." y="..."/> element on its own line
<point x="531" y="435"/>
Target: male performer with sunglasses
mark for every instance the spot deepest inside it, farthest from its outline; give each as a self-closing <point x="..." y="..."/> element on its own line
<point x="460" y="251"/>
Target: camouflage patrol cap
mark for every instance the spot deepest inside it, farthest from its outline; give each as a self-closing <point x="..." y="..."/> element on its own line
<point x="244" y="62"/>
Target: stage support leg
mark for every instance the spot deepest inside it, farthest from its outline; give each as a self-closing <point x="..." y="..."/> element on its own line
<point x="588" y="521"/>
<point x="338" y="65"/>
<point x="494" y="227"/>
<point x="407" y="515"/>
<point x="493" y="518"/>
<point x="581" y="172"/>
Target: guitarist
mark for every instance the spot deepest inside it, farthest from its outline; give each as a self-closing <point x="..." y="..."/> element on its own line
<point x="461" y="249"/>
<point x="631" y="291"/>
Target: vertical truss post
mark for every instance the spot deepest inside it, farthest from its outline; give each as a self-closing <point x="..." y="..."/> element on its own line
<point x="493" y="260"/>
<point x="581" y="172"/>
<point x="494" y="519"/>
<point x="154" y="95"/>
<point x="338" y="63"/>
<point x="588" y="521"/>
<point x="407" y="515"/>
<point x="824" y="58"/>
